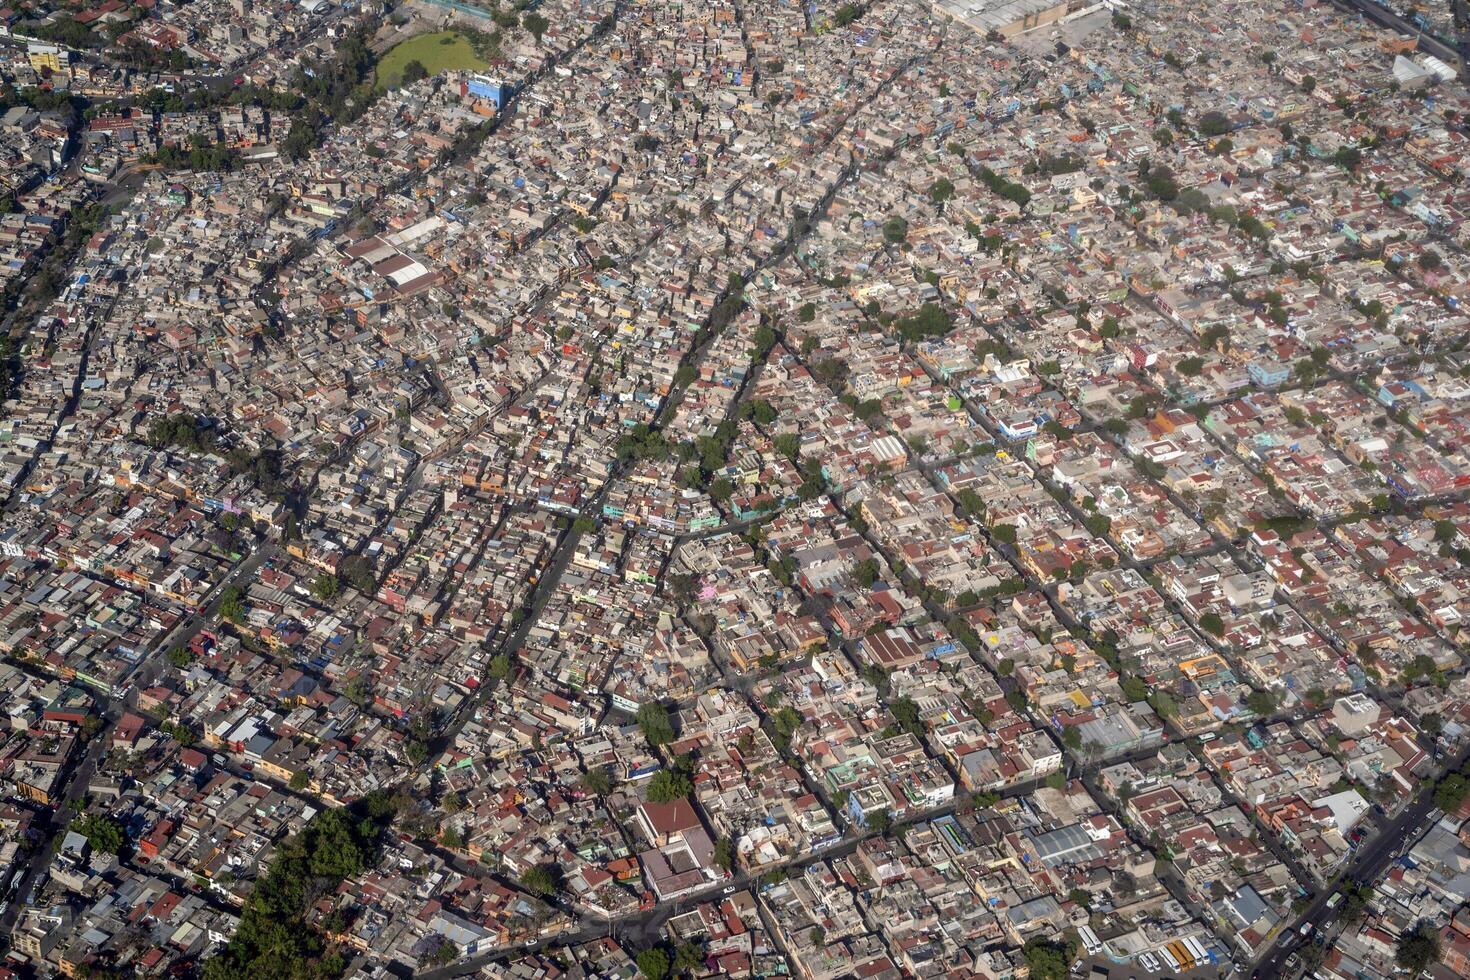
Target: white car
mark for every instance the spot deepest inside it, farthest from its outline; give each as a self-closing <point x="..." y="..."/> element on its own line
<point x="729" y="890"/>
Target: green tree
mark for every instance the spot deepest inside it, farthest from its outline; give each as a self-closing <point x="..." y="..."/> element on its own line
<point x="667" y="785"/>
<point x="1214" y="124"/>
<point x="689" y="957"/>
<point x="597" y="781"/>
<point x="232" y="605"/>
<point x="867" y="572"/>
<point x="1190" y="367"/>
<point x="538" y="880"/>
<point x="1451" y="792"/>
<point x="895" y="230"/>
<point x="1261" y="702"/>
<point x="414" y="71"/>
<point x="653" y="964"/>
<point x="299" y="780"/>
<point x="103" y="832"/>
<point x="1212" y="623"/>
<point x="880" y="821"/>
<point x="1163" y="704"/>
<point x="1418" y="948"/>
<point x="653" y="721"/>
<point x="535" y="24"/>
<point x="1046" y="959"/>
<point x="325" y="587"/>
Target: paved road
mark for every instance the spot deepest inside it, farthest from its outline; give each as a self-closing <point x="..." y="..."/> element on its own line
<point x="141" y="675"/>
<point x="1364" y="869"/>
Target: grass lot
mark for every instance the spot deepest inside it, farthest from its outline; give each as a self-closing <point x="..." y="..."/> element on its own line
<point x="437" y="52"/>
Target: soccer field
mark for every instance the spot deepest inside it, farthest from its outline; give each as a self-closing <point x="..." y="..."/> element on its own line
<point x="436" y="52"/>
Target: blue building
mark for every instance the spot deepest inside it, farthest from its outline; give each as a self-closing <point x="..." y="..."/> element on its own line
<point x="1268" y="374"/>
<point x="490" y="89"/>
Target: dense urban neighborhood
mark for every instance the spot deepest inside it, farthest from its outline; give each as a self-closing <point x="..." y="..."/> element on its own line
<point x="734" y="488"/>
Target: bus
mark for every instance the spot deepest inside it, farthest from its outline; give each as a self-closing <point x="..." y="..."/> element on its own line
<point x="1170" y="958"/>
<point x="1182" y="954"/>
<point x="1090" y="942"/>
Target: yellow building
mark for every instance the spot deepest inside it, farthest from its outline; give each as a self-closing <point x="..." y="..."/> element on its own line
<point x="48" y="56"/>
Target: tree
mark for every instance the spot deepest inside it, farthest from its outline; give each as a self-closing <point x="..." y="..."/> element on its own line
<point x="500" y="666"/>
<point x="104" y="833"/>
<point x="359" y="571"/>
<point x="299" y="780"/>
<point x="274" y="937"/>
<point x="653" y="721"/>
<point x="1163" y="704"/>
<point x="1005" y="533"/>
<point x="232" y="605"/>
<point x="1451" y="792"/>
<point x="895" y="230"/>
<point x="597" y="781"/>
<point x="414" y="71"/>
<point x="179" y="656"/>
<point x="326" y="586"/>
<point x="1190" y="367"/>
<point x="867" y="572"/>
<point x="1057" y="780"/>
<point x="1214" y="124"/>
<point x="906" y="712"/>
<point x="1046" y="959"/>
<point x="941" y="190"/>
<point x="1212" y="623"/>
<point x="538" y="880"/>
<point x="536" y="24"/>
<point x="689" y="957"/>
<point x="584" y="525"/>
<point x="880" y="821"/>
<point x="724" y="853"/>
<point x="653" y="964"/>
<point x="667" y="785"/>
<point x="1261" y="702"/>
<point x="1418" y="948"/>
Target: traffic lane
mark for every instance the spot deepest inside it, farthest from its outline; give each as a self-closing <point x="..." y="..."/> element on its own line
<point x="1365" y="869"/>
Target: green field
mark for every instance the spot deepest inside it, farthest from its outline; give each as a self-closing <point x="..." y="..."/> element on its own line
<point x="437" y="52"/>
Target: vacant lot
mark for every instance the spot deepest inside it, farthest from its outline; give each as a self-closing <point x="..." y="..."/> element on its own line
<point x="437" y="52"/>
